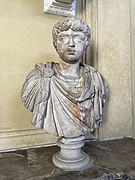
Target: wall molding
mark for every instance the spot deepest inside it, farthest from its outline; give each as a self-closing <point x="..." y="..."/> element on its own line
<point x="91" y="17"/>
<point x="25" y="138"/>
<point x="88" y="11"/>
<point x="61" y="7"/>
<point x="20" y="132"/>
<point x="132" y="38"/>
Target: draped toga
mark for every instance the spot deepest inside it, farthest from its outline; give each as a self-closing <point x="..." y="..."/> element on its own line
<point x="64" y="106"/>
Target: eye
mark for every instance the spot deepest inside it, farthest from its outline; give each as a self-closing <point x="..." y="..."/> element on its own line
<point x="78" y="38"/>
<point x="63" y="39"/>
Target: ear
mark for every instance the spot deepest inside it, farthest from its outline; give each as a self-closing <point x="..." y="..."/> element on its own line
<point x="87" y="44"/>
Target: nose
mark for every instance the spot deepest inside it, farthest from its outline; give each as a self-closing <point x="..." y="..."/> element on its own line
<point x="71" y="42"/>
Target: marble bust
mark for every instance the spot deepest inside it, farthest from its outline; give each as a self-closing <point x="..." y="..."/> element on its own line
<point x="66" y="98"/>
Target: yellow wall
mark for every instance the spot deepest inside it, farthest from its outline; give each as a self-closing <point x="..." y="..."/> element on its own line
<point x="25" y="39"/>
<point x="114" y="63"/>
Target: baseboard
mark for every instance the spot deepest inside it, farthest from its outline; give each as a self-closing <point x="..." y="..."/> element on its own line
<point x="24" y="139"/>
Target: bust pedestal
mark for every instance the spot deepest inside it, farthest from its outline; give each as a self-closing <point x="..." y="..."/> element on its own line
<point x="71" y="157"/>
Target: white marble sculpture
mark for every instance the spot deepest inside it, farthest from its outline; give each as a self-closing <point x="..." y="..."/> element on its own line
<point x="66" y="98"/>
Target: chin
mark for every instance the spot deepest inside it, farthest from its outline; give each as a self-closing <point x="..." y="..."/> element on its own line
<point x="72" y="62"/>
<point x="70" y="59"/>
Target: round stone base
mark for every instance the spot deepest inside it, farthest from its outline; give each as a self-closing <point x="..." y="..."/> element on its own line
<point x="71" y="157"/>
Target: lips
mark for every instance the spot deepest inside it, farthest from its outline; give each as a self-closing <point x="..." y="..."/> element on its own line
<point x="71" y="51"/>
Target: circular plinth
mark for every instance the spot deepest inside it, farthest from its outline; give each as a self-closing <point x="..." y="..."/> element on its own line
<point x="71" y="157"/>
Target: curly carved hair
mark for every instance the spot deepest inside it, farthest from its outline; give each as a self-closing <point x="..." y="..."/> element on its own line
<point x="72" y="23"/>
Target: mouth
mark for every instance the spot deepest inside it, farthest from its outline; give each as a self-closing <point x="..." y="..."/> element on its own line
<point x="71" y="51"/>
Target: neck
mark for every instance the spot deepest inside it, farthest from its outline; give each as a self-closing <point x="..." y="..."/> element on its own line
<point x="70" y="70"/>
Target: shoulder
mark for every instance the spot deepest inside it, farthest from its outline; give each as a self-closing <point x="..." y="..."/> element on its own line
<point x="89" y="69"/>
<point x="42" y="70"/>
<point x="95" y="75"/>
<point x="45" y="70"/>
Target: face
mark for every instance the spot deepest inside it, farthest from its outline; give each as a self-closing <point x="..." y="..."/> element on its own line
<point x="71" y="46"/>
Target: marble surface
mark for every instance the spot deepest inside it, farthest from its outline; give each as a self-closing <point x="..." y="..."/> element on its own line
<point x="112" y="160"/>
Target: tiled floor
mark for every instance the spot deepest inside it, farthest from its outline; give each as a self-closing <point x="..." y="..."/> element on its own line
<point x="112" y="160"/>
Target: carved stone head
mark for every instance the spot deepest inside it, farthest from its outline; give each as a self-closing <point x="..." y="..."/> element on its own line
<point x="71" y="37"/>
